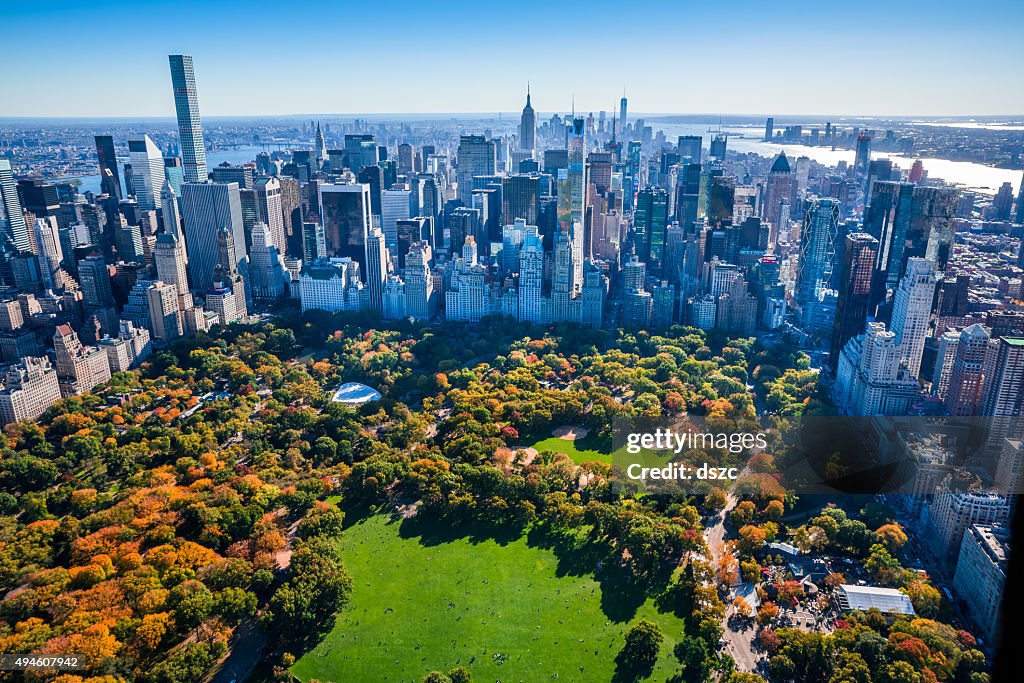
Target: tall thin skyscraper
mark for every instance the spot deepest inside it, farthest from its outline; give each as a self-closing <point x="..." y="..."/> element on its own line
<point x="190" y="127"/>
<point x="911" y="312"/>
<point x="817" y="256"/>
<point x="110" y="179"/>
<point x="622" y="117"/>
<point x="376" y="268"/>
<point x="528" y="126"/>
<point x="572" y="198"/>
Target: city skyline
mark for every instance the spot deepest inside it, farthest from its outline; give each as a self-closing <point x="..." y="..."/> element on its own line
<point x="730" y="45"/>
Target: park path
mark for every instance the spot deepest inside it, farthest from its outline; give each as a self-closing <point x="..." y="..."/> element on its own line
<point x="739" y="644"/>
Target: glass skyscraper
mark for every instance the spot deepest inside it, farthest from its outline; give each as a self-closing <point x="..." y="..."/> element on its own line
<point x="190" y="127"/>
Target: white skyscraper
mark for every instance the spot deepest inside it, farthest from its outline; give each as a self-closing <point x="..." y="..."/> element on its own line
<point x="147" y="172"/>
<point x="169" y="259"/>
<point x="394" y="206"/>
<point x="376" y="268"/>
<point x="164" y="314"/>
<point x="421" y="298"/>
<point x="869" y="376"/>
<point x="50" y="255"/>
<point x="912" y="309"/>
<point x="265" y="268"/>
<point x="171" y="212"/>
<point x="268" y="205"/>
<point x="531" y="277"/>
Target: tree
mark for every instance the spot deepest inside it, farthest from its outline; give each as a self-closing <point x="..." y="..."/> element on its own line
<point x="694" y="655"/>
<point x="892" y="535"/>
<point x="767" y="613"/>
<point x="742" y="608"/>
<point x="318" y="588"/>
<point x="642" y="643"/>
<point x="460" y="674"/>
<point x="925" y="598"/>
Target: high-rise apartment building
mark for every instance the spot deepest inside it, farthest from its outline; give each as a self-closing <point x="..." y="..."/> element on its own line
<point x="816" y="262"/>
<point x="164" y="314"/>
<point x="29" y="388"/>
<point x="912" y="309"/>
<point x="190" y="126"/>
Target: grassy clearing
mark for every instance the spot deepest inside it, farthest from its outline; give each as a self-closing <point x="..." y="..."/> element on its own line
<point x="580" y="450"/>
<point x="520" y="608"/>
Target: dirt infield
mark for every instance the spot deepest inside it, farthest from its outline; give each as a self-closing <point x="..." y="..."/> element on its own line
<point x="570" y="432"/>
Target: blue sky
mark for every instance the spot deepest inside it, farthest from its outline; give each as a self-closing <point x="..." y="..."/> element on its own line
<point x="872" y="57"/>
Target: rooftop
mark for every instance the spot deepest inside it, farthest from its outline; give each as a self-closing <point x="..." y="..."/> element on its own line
<point x="867" y="597"/>
<point x="354" y="393"/>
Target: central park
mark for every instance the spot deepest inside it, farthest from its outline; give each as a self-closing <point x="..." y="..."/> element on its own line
<point x="453" y="515"/>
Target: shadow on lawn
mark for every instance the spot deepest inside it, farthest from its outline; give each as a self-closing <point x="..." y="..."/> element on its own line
<point x="622" y="593"/>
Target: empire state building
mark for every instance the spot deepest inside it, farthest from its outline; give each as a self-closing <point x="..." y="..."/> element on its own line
<point x="528" y="126"/>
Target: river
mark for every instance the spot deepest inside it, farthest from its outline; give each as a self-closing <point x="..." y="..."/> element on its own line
<point x="971" y="176"/>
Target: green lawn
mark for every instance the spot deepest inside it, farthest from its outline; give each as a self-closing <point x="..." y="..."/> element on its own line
<point x="581" y="450"/>
<point x="505" y="609"/>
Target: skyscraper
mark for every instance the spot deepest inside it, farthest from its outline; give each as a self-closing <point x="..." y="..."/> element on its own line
<point x="931" y="224"/>
<point x="205" y="209"/>
<point x="12" y="219"/>
<point x="887" y="217"/>
<point x="1019" y="218"/>
<point x="650" y="221"/>
<point x="164" y="314"/>
<point x="817" y="256"/>
<point x="346" y="220"/>
<point x="190" y="127"/>
<point x="528" y="126"/>
<point x="622" y="117"/>
<point x="965" y="380"/>
<point x="376" y="268"/>
<point x="911" y="313"/>
<point x="172" y="266"/>
<point x="147" y="172"/>
<point x="476" y="158"/>
<point x="689" y="146"/>
<point x="863" y="155"/>
<point x="265" y="267"/>
<point x="520" y="196"/>
<point x="110" y="179"/>
<point x="854" y="285"/>
<point x="268" y="206"/>
<point x="779" y="188"/>
<point x="572" y="207"/>
<point x="769" y="129"/>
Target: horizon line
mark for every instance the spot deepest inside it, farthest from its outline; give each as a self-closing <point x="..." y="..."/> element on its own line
<point x="354" y="115"/>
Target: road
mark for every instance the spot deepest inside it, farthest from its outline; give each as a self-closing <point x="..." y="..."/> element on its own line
<point x="739" y="644"/>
